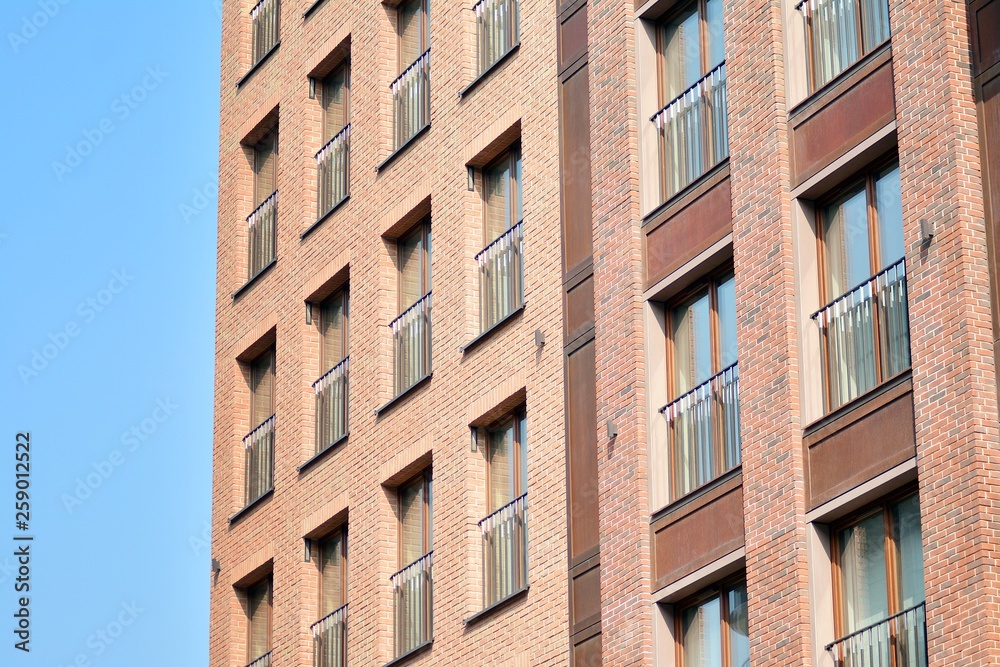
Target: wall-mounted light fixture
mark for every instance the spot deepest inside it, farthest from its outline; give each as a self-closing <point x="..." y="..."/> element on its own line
<point x="308" y="553"/>
<point x="471" y="173"/>
<point x="216" y="566"/>
<point x="539" y="338"/>
<point x="312" y="88"/>
<point x="612" y="430"/>
<point x="926" y="230"/>
<point x="474" y="430"/>
<point x="309" y="312"/>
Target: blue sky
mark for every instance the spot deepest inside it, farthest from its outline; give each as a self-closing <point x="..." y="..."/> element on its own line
<point x="107" y="254"/>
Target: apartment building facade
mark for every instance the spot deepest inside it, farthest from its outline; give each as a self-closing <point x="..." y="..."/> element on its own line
<point x="636" y="333"/>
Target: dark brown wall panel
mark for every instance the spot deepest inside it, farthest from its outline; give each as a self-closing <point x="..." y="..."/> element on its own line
<point x="587" y="653"/>
<point x="578" y="242"/>
<point x="698" y="538"/>
<point x="581" y="417"/>
<point x="585" y="600"/>
<point x="862" y="444"/>
<point x="844" y="121"/>
<point x="573" y="37"/>
<point x="985" y="34"/>
<point x="580" y="308"/>
<point x="692" y="230"/>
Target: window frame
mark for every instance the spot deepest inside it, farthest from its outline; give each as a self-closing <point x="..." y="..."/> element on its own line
<point x="862" y="52"/>
<point x="268" y="582"/>
<point x="345" y="336"/>
<point x="701" y="7"/>
<point x="344" y="65"/>
<point x="425" y="32"/>
<point x="423" y="229"/>
<point x="514" y="187"/>
<point x="517" y="416"/>
<point x="718" y="589"/>
<point x="259" y="196"/>
<point x="892" y="562"/>
<point x="426" y="479"/>
<point x="341" y="534"/>
<point x="253" y="367"/>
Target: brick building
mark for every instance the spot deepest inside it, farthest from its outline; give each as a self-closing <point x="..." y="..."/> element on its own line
<point x="654" y="333"/>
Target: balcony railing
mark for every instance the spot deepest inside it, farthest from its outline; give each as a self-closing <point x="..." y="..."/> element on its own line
<point x="505" y="550"/>
<point x="498" y="29"/>
<point x="501" y="277"/>
<point x="262" y="225"/>
<point x="332" y="168"/>
<point x="898" y="641"/>
<point x="262" y="661"/>
<point x="694" y="132"/>
<point x="411" y="99"/>
<point x="412" y="591"/>
<point x="865" y="336"/>
<point x="703" y="432"/>
<point x="330" y="639"/>
<point x="265" y="17"/>
<point x="839" y="32"/>
<point x="331" y="404"/>
<point x="259" y="444"/>
<point x="411" y="336"/>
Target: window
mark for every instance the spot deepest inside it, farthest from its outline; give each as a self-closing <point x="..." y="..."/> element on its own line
<point x="692" y="124"/>
<point x="332" y="386"/>
<point x="703" y="416"/>
<point x="411" y="330"/>
<point x="258" y="609"/>
<point x="412" y="584"/>
<point x="332" y="160"/>
<point x="501" y="271"/>
<point x="712" y="629"/>
<point x="865" y="325"/>
<point x="259" y="443"/>
<point x="411" y="89"/>
<point x="879" y="586"/>
<point x="330" y="631"/>
<point x="497" y="30"/>
<point x="505" y="543"/>
<point x="265" y="18"/>
<point x="262" y="223"/>
<point x="840" y="32"/>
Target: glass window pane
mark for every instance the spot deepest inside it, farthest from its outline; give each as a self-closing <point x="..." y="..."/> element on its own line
<point x="331" y="574"/>
<point x="333" y="331"/>
<point x="411" y="269"/>
<point x="497" y="189"/>
<point x="726" y="297"/>
<point x="501" y="463"/>
<point x="682" y="53"/>
<point x="739" y="633"/>
<point x="265" y="167"/>
<point x="411" y="520"/>
<point x="259" y="611"/>
<point x="701" y="634"/>
<point x="334" y="103"/>
<point x="906" y="529"/>
<point x="845" y="235"/>
<point x="411" y="37"/>
<point x="518" y="208"/>
<point x="890" y="217"/>
<point x="716" y="46"/>
<point x="692" y="344"/>
<point x="261" y="386"/>
<point x="862" y="573"/>
<point x="875" y="22"/>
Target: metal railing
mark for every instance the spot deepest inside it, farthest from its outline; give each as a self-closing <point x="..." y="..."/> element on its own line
<point x="265" y="17"/>
<point x="839" y="32"/>
<point x="498" y="29"/>
<point x="411" y="336"/>
<point x="865" y="336"/>
<point x="331" y="404"/>
<point x="330" y="639"/>
<point x="693" y="131"/>
<point x="501" y="277"/>
<point x="262" y="661"/>
<point x="411" y="99"/>
<point x="332" y="170"/>
<point x="262" y="226"/>
<point x="505" y="550"/>
<point x="412" y="591"/>
<point x="703" y="432"/>
<point x="898" y="641"/>
<point x="259" y="445"/>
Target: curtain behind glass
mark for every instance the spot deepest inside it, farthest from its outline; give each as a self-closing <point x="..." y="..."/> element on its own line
<point x="411" y="520"/>
<point x="501" y="468"/>
<point x="334" y="103"/>
<point x="331" y="575"/>
<point x="259" y="612"/>
<point x="412" y="40"/>
<point x="265" y="167"/>
<point x="682" y="53"/>
<point x="692" y="344"/>
<point x="411" y="270"/>
<point x="261" y="388"/>
<point x="497" y="185"/>
<point x="864" y="588"/>
<point x="700" y="634"/>
<point x="906" y="533"/>
<point x="845" y="235"/>
<point x="333" y="331"/>
<point x="739" y="632"/>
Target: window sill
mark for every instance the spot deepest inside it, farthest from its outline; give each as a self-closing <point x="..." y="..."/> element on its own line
<point x="489" y="70"/>
<point x="322" y="455"/>
<point x="692" y="497"/>
<point x="679" y="200"/>
<point x="493" y="329"/>
<point x="313" y="7"/>
<point x="256" y="276"/>
<point x="815" y="97"/>
<point x="246" y="510"/>
<point x="403" y="394"/>
<point x="519" y="594"/>
<point x="406" y="144"/>
<point x="258" y="65"/>
<point x="323" y="217"/>
<point x="858" y="402"/>
<point x="409" y="654"/>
